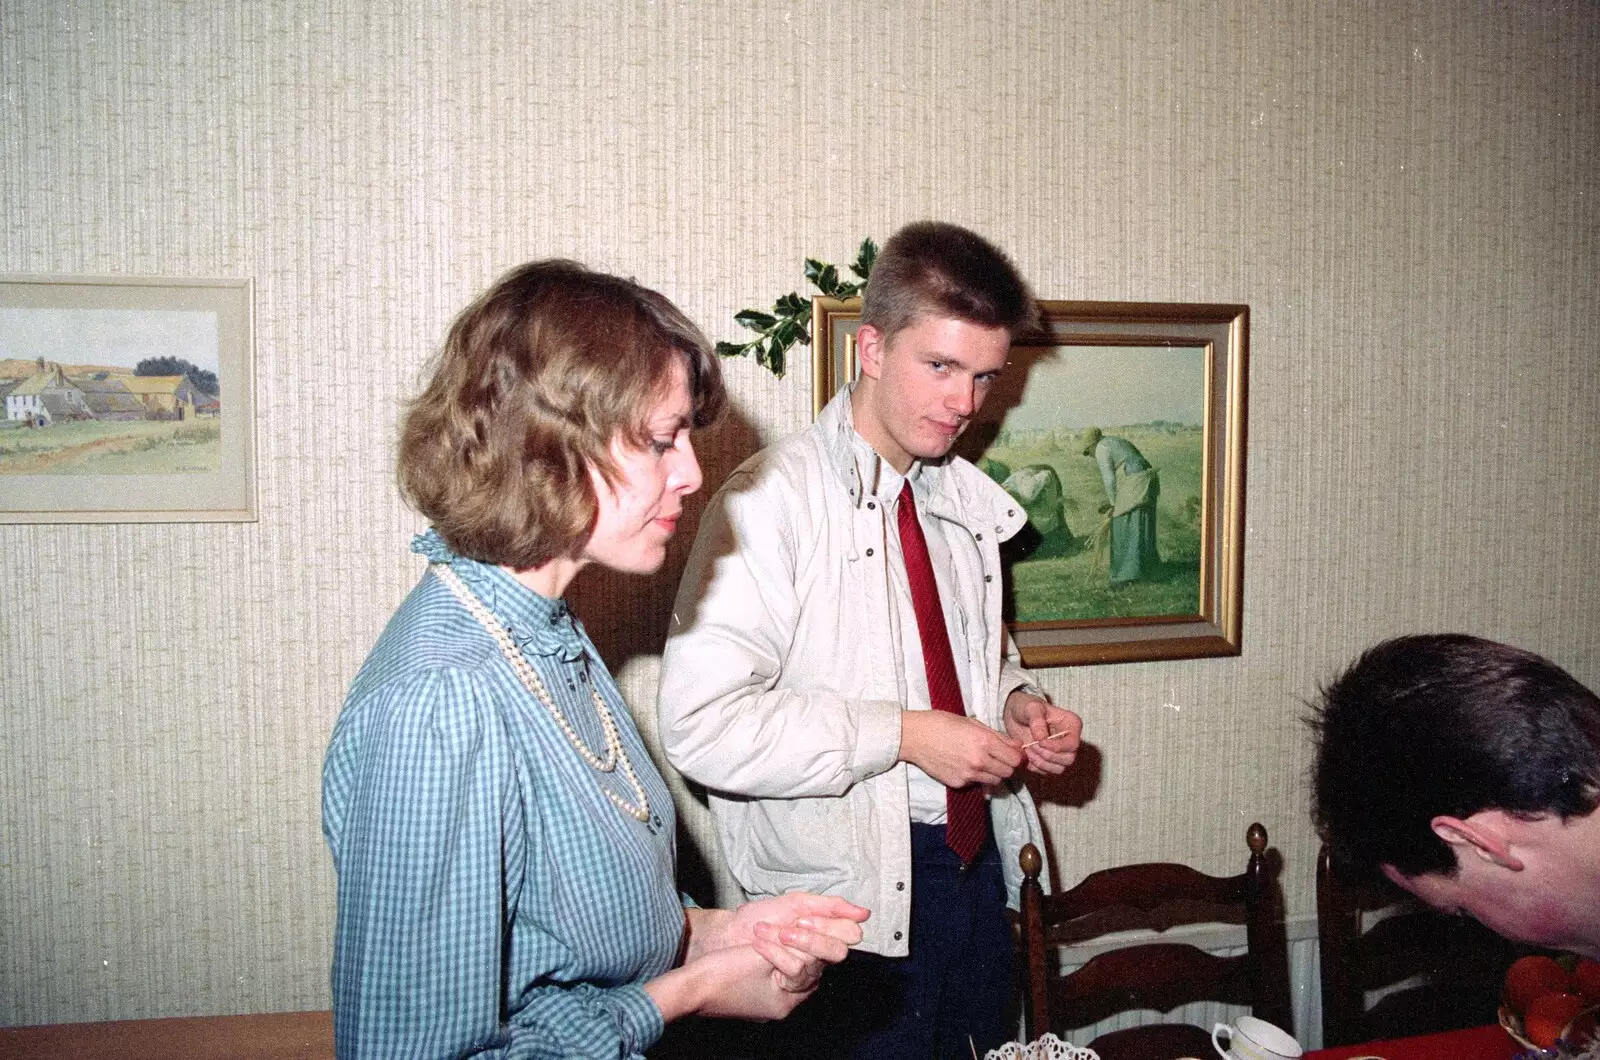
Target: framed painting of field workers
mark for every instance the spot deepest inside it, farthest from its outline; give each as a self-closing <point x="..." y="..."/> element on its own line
<point x="126" y="400"/>
<point x="1120" y="429"/>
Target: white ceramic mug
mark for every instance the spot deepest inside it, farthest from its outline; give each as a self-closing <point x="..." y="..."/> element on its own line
<point x="1253" y="1039"/>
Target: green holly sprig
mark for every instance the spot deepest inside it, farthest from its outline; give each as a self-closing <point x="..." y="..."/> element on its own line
<point x="789" y="322"/>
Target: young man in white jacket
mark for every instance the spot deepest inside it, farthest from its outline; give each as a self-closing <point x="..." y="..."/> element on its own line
<point x="838" y="677"/>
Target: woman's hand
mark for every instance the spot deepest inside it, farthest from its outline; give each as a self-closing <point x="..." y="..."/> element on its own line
<point x="760" y="960"/>
<point x="738" y="982"/>
<point x="818" y="925"/>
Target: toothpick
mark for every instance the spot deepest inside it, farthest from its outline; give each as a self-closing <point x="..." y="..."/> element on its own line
<point x="1042" y="739"/>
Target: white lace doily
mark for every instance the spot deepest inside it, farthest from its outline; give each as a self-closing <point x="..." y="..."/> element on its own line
<point x="1047" y="1048"/>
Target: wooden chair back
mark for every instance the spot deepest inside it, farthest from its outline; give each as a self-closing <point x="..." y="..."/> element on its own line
<point x="1151" y="975"/>
<point x="1446" y="971"/>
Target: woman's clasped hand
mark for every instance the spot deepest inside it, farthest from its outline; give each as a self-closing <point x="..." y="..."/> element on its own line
<point x="760" y="960"/>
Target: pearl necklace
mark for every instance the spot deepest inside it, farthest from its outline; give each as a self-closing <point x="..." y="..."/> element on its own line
<point x="615" y="753"/>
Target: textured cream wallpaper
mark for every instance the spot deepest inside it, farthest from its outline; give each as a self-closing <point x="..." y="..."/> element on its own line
<point x="1404" y="193"/>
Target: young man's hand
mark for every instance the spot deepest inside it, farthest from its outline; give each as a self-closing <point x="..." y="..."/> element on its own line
<point x="1052" y="733"/>
<point x="957" y="750"/>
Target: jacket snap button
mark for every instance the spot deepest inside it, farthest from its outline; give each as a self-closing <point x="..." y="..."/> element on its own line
<point x="988" y="577"/>
<point x="978" y="536"/>
<point x="900" y="885"/>
<point x="869" y="551"/>
<point x="897" y="936"/>
<point x="1010" y="512"/>
<point x="871" y="506"/>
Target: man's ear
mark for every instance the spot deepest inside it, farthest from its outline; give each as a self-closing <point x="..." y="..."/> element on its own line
<point x="1483" y="834"/>
<point x="869" y="350"/>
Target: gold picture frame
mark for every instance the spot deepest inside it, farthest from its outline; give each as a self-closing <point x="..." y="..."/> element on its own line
<point x="126" y="399"/>
<point x="1170" y="378"/>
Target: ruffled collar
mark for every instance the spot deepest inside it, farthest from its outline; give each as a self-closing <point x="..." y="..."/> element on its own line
<point x="538" y="625"/>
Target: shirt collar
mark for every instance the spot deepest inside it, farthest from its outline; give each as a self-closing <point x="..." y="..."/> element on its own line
<point x="853" y="460"/>
<point x="879" y="478"/>
<point x="537" y="624"/>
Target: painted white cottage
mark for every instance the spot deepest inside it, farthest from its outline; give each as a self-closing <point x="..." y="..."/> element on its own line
<point x="46" y="396"/>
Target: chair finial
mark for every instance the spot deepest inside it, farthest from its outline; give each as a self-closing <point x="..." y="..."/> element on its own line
<point x="1256" y="837"/>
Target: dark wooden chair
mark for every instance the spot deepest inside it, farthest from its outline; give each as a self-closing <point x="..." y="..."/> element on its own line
<point x="1156" y="975"/>
<point x="1445" y="971"/>
<point x="1151" y="975"/>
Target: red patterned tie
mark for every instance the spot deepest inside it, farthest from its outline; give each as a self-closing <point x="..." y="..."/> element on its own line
<point x="967" y="817"/>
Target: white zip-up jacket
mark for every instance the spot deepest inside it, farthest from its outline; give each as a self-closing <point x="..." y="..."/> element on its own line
<point x="782" y="683"/>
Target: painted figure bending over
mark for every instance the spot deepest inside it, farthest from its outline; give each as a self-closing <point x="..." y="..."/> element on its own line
<point x="1132" y="489"/>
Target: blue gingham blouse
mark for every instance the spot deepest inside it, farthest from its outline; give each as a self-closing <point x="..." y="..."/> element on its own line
<point x="492" y="901"/>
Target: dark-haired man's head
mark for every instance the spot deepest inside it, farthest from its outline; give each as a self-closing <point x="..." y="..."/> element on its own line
<point x="1468" y="772"/>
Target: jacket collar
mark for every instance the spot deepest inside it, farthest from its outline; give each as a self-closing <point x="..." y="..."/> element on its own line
<point x="837" y="427"/>
<point x="956" y="490"/>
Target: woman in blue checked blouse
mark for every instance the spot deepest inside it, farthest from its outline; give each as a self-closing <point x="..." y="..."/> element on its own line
<point x="504" y="845"/>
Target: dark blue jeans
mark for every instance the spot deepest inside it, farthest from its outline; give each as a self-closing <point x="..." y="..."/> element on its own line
<point x="956" y="982"/>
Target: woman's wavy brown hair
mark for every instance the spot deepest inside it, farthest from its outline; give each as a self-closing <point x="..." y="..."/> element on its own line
<point x="535" y="379"/>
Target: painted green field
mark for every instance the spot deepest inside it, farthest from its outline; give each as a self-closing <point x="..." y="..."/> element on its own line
<point x="112" y="447"/>
<point x="1053" y="584"/>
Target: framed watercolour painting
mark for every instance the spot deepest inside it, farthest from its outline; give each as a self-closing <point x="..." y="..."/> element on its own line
<point x="126" y="400"/>
<point x="1120" y="429"/>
